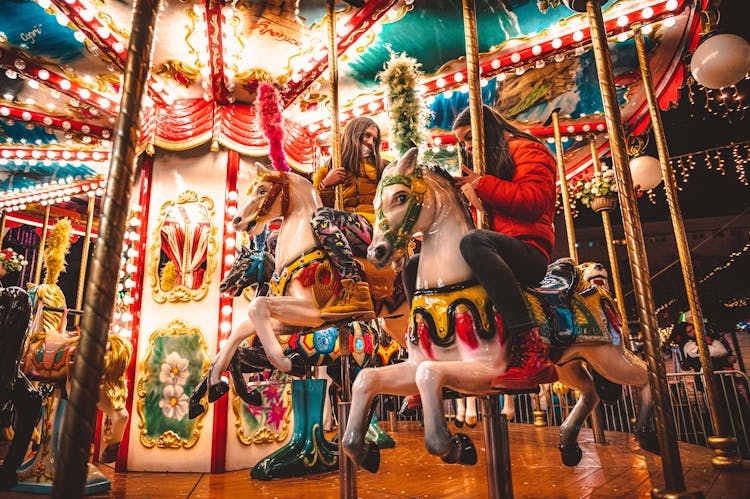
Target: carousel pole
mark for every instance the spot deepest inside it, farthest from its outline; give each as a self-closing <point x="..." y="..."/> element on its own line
<point x="40" y="250"/>
<point x="567" y="210"/>
<point x="85" y="256"/>
<point x="495" y="424"/>
<point x="347" y="468"/>
<point x="723" y="443"/>
<point x="80" y="413"/>
<point x="2" y="227"/>
<point x="609" y="237"/>
<point x="671" y="465"/>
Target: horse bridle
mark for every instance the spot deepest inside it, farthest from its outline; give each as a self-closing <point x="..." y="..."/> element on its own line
<point x="280" y="185"/>
<point x="399" y="236"/>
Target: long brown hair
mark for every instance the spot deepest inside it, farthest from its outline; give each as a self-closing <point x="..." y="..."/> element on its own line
<point x="497" y="158"/>
<point x="351" y="145"/>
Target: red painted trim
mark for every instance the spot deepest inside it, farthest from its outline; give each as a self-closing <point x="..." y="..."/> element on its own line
<point x="17" y="61"/>
<point x="144" y="201"/>
<point x="216" y="51"/>
<point x="46" y="120"/>
<point x="358" y="24"/>
<point x="221" y="407"/>
<point x="98" y="436"/>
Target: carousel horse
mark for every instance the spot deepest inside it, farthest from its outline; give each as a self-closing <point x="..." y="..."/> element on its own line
<point x="51" y="349"/>
<point x="455" y="337"/>
<point x="304" y="279"/>
<point x="20" y="401"/>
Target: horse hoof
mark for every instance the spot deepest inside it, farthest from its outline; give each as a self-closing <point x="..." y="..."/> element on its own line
<point x="195" y="409"/>
<point x="462" y="452"/>
<point x="571" y="454"/>
<point x="371" y="462"/>
<point x="110" y="453"/>
<point x="459" y="424"/>
<point x="215" y="392"/>
<point x="299" y="365"/>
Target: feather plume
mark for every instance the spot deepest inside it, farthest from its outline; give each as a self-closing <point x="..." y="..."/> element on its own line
<point x="270" y="120"/>
<point x="55" y="250"/>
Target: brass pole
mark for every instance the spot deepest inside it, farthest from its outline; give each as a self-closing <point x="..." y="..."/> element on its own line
<point x="40" y="250"/>
<point x="85" y="257"/>
<point x="2" y="227"/>
<point x="80" y="414"/>
<point x="333" y="69"/>
<point x="723" y="443"/>
<point x="475" y="95"/>
<point x="671" y="465"/>
<point x="567" y="210"/>
<point x="614" y="266"/>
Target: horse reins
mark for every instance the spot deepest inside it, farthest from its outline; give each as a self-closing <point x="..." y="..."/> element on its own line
<point x="399" y="236"/>
<point x="280" y="185"/>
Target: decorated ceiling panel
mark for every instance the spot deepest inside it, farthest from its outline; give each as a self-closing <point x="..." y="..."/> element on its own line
<point x="62" y="71"/>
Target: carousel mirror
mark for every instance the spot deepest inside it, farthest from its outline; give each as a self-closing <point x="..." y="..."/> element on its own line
<point x="183" y="249"/>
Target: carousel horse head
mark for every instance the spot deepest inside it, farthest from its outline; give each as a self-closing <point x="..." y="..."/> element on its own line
<point x="267" y="199"/>
<point x="594" y="273"/>
<point x="407" y="202"/>
<point x="251" y="266"/>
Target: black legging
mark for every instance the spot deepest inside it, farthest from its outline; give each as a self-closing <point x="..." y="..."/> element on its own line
<point x="499" y="262"/>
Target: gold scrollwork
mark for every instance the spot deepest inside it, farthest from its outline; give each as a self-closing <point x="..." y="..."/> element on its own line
<point x="264" y="434"/>
<point x="183" y="250"/>
<point x="171" y="67"/>
<point x="169" y="439"/>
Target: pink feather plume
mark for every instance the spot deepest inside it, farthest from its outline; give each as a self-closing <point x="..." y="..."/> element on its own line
<point x="270" y="120"/>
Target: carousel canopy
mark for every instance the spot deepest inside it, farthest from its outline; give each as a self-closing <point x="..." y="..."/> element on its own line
<point x="63" y="66"/>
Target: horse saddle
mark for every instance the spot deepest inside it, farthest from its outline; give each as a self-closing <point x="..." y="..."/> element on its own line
<point x="50" y="354"/>
<point x="381" y="281"/>
<point x="556" y="290"/>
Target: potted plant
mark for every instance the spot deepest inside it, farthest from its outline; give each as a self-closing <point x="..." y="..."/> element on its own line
<point x="597" y="190"/>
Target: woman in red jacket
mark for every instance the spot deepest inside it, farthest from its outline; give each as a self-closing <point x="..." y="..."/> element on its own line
<point x="518" y="195"/>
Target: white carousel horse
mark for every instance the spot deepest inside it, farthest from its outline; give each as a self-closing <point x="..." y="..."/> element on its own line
<point x="304" y="280"/>
<point x="443" y="351"/>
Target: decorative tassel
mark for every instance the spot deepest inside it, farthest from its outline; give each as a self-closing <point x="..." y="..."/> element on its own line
<point x="270" y="120"/>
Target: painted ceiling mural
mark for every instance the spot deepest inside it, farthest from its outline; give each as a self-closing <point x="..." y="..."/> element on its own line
<point x="62" y="67"/>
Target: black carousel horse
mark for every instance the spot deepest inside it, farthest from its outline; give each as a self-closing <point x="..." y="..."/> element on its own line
<point x="20" y="401"/>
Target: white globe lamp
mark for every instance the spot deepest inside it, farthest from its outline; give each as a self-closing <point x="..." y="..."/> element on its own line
<point x="721" y="61"/>
<point x="646" y="172"/>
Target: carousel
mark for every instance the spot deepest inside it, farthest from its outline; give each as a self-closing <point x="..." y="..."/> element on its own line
<point x="162" y="152"/>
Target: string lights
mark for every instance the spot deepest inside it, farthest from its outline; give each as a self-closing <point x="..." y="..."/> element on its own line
<point x="715" y="159"/>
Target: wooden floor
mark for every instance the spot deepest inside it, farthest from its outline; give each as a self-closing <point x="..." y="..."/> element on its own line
<point x="618" y="469"/>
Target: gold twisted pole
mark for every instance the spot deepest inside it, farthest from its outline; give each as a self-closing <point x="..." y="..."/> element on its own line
<point x="333" y="71"/>
<point x="80" y="414"/>
<point x="40" y="250"/>
<point x="85" y="256"/>
<point x="614" y="266"/>
<point x="3" y="214"/>
<point x="670" y="456"/>
<point x="567" y="210"/>
<point x="724" y="445"/>
<point x="347" y="468"/>
<point x="475" y="95"/>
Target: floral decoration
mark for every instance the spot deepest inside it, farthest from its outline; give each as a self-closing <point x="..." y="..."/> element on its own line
<point x="586" y="187"/>
<point x="174" y="402"/>
<point x="12" y="261"/>
<point x="174" y="370"/>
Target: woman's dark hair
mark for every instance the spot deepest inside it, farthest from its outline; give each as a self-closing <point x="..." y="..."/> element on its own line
<point x="351" y="144"/>
<point x="497" y="158"/>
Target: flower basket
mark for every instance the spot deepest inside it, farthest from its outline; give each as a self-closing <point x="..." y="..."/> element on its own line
<point x="604" y="203"/>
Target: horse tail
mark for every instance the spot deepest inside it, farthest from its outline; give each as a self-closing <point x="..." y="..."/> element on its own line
<point x="119" y="351"/>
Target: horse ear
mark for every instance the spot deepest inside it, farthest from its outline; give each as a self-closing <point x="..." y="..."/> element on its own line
<point x="408" y="162"/>
<point x="262" y="169"/>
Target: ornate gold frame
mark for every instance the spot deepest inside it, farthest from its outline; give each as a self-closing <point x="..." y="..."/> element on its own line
<point x="263" y="435"/>
<point x="168" y="439"/>
<point x="182" y="293"/>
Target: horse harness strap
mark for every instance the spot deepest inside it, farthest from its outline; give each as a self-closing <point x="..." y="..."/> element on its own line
<point x="280" y="186"/>
<point x="399" y="236"/>
<point x="279" y="282"/>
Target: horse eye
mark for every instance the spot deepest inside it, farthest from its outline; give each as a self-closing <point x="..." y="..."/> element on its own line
<point x="401" y="198"/>
<point x="262" y="190"/>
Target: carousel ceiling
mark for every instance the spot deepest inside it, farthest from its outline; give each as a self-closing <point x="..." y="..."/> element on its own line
<point x="63" y="67"/>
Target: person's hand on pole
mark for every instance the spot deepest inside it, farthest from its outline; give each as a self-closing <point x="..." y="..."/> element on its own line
<point x="334" y="177"/>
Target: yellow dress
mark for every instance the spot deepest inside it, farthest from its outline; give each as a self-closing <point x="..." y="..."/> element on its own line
<point x="358" y="191"/>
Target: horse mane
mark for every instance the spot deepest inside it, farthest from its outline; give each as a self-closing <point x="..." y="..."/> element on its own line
<point x="443" y="175"/>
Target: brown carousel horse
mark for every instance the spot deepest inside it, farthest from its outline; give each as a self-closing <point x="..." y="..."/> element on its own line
<point x="51" y="350"/>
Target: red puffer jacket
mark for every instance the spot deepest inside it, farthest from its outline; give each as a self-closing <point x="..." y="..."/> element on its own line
<point x="525" y="207"/>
